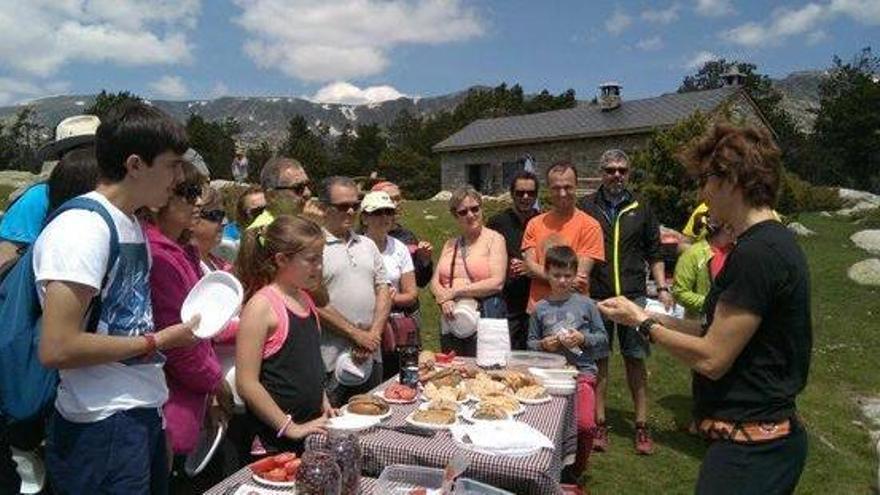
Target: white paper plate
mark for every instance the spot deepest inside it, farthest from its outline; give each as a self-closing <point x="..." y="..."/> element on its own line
<point x="431" y="426"/>
<point x="275" y="484"/>
<point x="381" y="394"/>
<point x="344" y="410"/>
<point x="209" y="442"/>
<point x="352" y="422"/>
<point x="217" y="298"/>
<point x="533" y="402"/>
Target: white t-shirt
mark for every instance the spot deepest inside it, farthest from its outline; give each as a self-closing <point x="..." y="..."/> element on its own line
<point x="397" y="261"/>
<point x="75" y="248"/>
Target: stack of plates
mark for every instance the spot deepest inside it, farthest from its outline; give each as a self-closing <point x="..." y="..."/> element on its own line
<point x="560" y="381"/>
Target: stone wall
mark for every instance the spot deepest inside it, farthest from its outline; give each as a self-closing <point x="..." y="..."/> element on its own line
<point x="584" y="153"/>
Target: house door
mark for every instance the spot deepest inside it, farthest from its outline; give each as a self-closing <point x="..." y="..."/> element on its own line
<point x="476" y="176"/>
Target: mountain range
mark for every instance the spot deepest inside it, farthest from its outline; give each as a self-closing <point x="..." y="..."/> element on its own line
<point x="266" y="118"/>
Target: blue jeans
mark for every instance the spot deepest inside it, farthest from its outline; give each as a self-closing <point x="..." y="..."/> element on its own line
<point x="122" y="454"/>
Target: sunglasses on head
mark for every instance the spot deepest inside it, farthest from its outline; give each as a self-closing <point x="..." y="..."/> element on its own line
<point x="297" y="188"/>
<point x="381" y="212"/>
<point x="215" y="216"/>
<point x="616" y="170"/>
<point x="523" y="193"/>
<point x="346" y="207"/>
<point x="464" y="211"/>
<point x="189" y="192"/>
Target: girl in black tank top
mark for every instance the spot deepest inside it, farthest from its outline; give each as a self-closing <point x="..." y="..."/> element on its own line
<point x="279" y="371"/>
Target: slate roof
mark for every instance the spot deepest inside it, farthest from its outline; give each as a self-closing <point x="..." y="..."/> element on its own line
<point x="586" y="120"/>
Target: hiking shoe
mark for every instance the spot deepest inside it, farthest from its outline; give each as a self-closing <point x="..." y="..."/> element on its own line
<point x="644" y="444"/>
<point x="600" y="439"/>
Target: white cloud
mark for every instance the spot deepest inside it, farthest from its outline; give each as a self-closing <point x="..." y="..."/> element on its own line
<point x="784" y="24"/>
<point x="169" y="87"/>
<point x="618" y="22"/>
<point x="817" y="37"/>
<point x="13" y="90"/>
<point x="699" y="59"/>
<point x="349" y="94"/>
<point x="38" y="37"/>
<point x="316" y="40"/>
<point x="864" y="11"/>
<point x="714" y="8"/>
<point x="650" y="44"/>
<point x="219" y="89"/>
<point x="662" y="16"/>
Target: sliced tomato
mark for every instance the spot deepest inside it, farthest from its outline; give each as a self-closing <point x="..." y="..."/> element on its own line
<point x="418" y="491"/>
<point x="284" y="458"/>
<point x="445" y="358"/>
<point x="291" y="467"/>
<point x="264" y="465"/>
<point x="277" y="474"/>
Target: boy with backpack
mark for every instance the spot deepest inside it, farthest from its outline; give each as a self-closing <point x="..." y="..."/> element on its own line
<point x="91" y="268"/>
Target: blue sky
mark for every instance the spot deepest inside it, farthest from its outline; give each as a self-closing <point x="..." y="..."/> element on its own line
<point x="367" y="50"/>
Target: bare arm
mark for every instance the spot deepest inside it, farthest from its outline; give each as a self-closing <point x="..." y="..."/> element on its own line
<point x="535" y="270"/>
<point x="689" y="327"/>
<point x="382" y="309"/>
<point x="409" y="291"/>
<point x="64" y="344"/>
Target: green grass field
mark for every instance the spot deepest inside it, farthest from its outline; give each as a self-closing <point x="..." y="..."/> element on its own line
<point x="846" y="345"/>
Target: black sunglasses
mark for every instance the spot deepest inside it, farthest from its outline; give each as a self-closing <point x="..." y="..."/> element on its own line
<point x="464" y="211"/>
<point x="215" y="216"/>
<point x="189" y="192"/>
<point x="522" y="194"/>
<point x="298" y="188"/>
<point x="616" y="170"/>
<point x="255" y="211"/>
<point x="346" y="207"/>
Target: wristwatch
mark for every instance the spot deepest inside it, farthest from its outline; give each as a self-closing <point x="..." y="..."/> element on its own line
<point x="644" y="328"/>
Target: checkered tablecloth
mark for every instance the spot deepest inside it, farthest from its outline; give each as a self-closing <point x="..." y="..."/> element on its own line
<point x="537" y="473"/>
<point x="244" y="476"/>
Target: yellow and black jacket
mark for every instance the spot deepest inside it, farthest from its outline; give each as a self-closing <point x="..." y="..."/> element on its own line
<point x="632" y="239"/>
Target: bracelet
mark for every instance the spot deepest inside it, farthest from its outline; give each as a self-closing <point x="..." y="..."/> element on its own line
<point x="284" y="426"/>
<point x="152" y="347"/>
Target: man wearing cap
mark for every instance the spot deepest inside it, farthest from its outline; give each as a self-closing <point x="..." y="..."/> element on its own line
<point x="286" y="185"/>
<point x="632" y="242"/>
<point x="359" y="297"/>
<point x="24" y="218"/>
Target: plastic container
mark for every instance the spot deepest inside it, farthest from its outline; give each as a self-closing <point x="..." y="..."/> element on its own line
<point x="399" y="479"/>
<point x="535" y="359"/>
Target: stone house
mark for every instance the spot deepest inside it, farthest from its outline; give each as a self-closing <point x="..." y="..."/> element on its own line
<point x="488" y="152"/>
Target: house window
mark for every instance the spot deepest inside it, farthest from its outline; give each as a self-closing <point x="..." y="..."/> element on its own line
<point x="477" y="175"/>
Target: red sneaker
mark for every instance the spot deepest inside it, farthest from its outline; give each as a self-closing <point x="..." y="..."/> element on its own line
<point x="644" y="444"/>
<point x="600" y="439"/>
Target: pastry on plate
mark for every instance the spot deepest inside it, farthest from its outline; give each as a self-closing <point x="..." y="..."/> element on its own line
<point x="368" y="405"/>
<point x="530" y="392"/>
<point x="434" y="416"/>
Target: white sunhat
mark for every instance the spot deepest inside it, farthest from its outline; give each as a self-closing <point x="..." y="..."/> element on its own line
<point x="70" y="133"/>
<point x="465" y="321"/>
<point x="377" y="200"/>
<point x="351" y="374"/>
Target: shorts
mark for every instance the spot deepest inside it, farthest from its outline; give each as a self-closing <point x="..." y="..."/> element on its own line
<point x="122" y="454"/>
<point x="632" y="345"/>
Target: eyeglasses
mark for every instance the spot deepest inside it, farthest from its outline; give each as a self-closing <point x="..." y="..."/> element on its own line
<point x="522" y="194"/>
<point x="298" y="188"/>
<point x="215" y="216"/>
<point x="616" y="170"/>
<point x="381" y="212"/>
<point x="189" y="192"/>
<point x="464" y="211"/>
<point x="346" y="207"/>
<point x="703" y="178"/>
<point x="256" y="211"/>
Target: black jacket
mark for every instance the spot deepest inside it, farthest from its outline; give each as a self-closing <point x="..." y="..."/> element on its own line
<point x="632" y="239"/>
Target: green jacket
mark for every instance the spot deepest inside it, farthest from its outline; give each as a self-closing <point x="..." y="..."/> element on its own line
<point x="692" y="279"/>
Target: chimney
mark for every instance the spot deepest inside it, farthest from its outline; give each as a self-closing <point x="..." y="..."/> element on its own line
<point x="609" y="96"/>
<point x="732" y="77"/>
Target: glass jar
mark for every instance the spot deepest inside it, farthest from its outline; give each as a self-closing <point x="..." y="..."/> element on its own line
<point x="347" y="449"/>
<point x="318" y="474"/>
